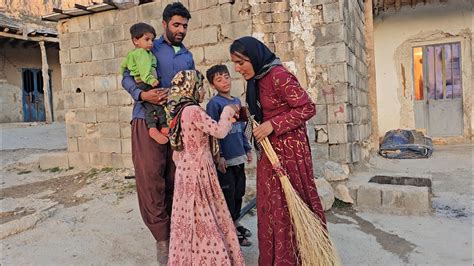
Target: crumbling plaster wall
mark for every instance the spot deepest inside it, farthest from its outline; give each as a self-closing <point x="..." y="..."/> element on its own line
<point x="395" y="35"/>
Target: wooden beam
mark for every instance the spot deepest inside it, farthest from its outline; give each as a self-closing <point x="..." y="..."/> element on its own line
<point x="29" y="38"/>
<point x="60" y="11"/>
<point x="81" y="7"/>
<point x="384" y="5"/>
<point x="413" y="3"/>
<point x="46" y="87"/>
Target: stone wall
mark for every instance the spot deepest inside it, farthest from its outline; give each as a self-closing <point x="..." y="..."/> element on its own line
<point x="309" y="36"/>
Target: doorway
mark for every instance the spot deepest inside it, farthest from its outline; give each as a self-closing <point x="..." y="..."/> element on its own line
<point x="438" y="89"/>
<point x="33" y="95"/>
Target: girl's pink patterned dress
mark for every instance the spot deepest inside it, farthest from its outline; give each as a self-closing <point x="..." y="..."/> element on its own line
<point x="202" y="231"/>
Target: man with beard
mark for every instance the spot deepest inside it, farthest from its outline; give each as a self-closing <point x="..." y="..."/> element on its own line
<point x="153" y="163"/>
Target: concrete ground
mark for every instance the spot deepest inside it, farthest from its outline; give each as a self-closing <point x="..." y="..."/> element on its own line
<point x="91" y="217"/>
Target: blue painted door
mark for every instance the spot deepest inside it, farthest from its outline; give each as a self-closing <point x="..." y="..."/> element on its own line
<point x="33" y="95"/>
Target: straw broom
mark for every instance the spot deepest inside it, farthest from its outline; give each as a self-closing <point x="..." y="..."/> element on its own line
<point x="312" y="240"/>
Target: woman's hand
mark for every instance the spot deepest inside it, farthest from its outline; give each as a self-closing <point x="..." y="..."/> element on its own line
<point x="155" y="96"/>
<point x="262" y="131"/>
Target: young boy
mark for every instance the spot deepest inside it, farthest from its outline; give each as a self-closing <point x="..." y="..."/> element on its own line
<point x="142" y="66"/>
<point x="234" y="148"/>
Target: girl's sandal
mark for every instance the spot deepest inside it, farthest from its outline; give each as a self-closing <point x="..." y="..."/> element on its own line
<point x="243" y="241"/>
<point x="244" y="231"/>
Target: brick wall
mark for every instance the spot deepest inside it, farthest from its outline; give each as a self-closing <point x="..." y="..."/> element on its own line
<point x="320" y="41"/>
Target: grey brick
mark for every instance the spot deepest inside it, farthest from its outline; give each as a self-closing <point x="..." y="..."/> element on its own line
<point x="331" y="12"/>
<point x="125" y="130"/>
<point x="84" y="115"/>
<point x="112" y="66"/>
<point x="338" y="73"/>
<point x="71" y="71"/>
<point x="340" y="153"/>
<point x="112" y="34"/>
<point x="119" y="98"/>
<point x="73" y="100"/>
<point x="93" y="68"/>
<point x="110" y="145"/>
<point x="79" y="160"/>
<point x="339" y="113"/>
<point x="212" y="17"/>
<point x="78" y="24"/>
<point x="102" y="19"/>
<point x="95" y="99"/>
<point x="130" y="15"/>
<point x="337" y="133"/>
<point x="236" y="30"/>
<point x="121" y="48"/>
<point x="329" y="33"/>
<point x="64" y="57"/>
<point x="88" y="144"/>
<point x="98" y="159"/>
<point x="331" y="53"/>
<point x="68" y="40"/>
<point x="90" y="38"/>
<point x="125" y="113"/>
<point x="320" y="151"/>
<point x="109" y="130"/>
<point x="107" y="114"/>
<point x="202" y="36"/>
<point x="105" y="83"/>
<point x="74" y="130"/>
<point x="82" y="54"/>
<point x="104" y="51"/>
<point x="321" y="117"/>
<point x="72" y="145"/>
<point x="198" y="54"/>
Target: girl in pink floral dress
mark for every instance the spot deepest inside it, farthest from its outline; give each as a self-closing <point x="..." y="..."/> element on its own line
<point x="202" y="231"/>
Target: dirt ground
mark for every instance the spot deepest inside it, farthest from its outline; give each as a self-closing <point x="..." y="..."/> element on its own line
<point x="72" y="217"/>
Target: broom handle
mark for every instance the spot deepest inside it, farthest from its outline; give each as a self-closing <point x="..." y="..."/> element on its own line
<point x="267" y="147"/>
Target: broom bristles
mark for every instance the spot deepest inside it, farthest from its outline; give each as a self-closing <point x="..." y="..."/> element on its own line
<point x="312" y="240"/>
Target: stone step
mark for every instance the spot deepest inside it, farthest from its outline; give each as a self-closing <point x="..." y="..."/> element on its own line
<point x="393" y="194"/>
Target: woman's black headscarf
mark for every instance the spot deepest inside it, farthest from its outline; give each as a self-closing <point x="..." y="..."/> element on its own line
<point x="262" y="60"/>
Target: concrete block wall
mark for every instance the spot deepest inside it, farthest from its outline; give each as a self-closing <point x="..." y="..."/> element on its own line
<point x="341" y="82"/>
<point x="317" y="40"/>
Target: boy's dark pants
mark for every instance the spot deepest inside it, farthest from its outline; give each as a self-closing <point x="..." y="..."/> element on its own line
<point x="154" y="114"/>
<point x="233" y="187"/>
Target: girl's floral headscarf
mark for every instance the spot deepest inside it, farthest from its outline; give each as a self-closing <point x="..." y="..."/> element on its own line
<point x="184" y="91"/>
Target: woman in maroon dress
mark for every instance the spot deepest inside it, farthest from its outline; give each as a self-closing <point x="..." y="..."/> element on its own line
<point x="277" y="101"/>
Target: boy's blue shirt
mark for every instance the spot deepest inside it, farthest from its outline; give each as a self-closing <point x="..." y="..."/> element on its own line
<point x="235" y="144"/>
<point x="168" y="64"/>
